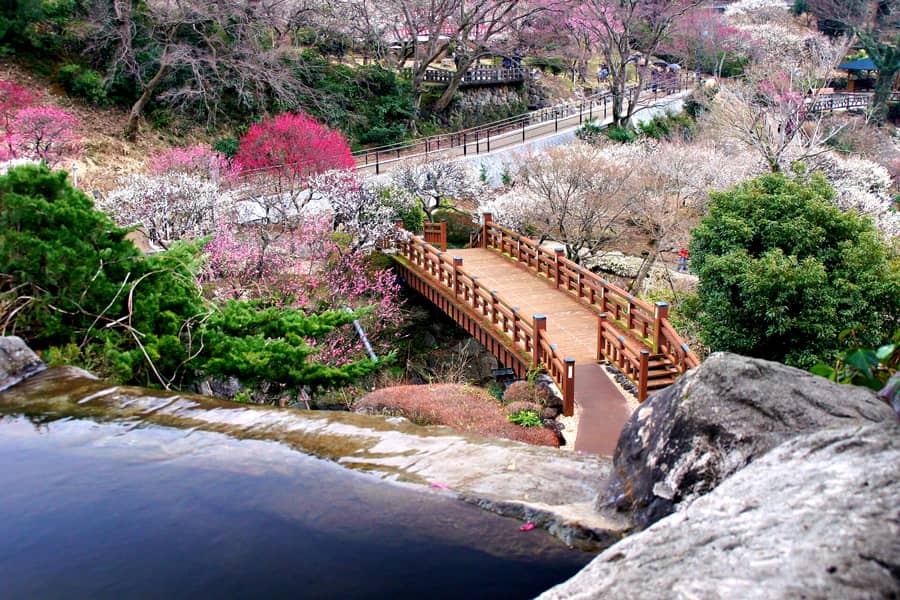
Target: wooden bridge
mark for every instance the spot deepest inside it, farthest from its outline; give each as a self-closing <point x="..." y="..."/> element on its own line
<point x="534" y="309"/>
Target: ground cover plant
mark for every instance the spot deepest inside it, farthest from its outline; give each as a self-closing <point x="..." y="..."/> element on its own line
<point x="462" y="408"/>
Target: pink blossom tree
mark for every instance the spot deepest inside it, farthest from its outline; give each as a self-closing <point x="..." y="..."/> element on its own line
<point x="13" y="98"/>
<point x="620" y="29"/>
<point x="306" y="268"/>
<point x="45" y="133"/>
<point x="198" y="160"/>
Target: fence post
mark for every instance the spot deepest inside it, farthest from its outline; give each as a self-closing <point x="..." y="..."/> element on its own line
<point x="494" y="319"/>
<point x="443" y="234"/>
<point x="629" y="318"/>
<point x="642" y="376"/>
<point x="523" y="131"/>
<point x="465" y="144"/>
<point x="377" y="165"/>
<point x="489" y="140"/>
<point x="558" y="255"/>
<point x="457" y="265"/>
<point x="487" y="218"/>
<point x="661" y="312"/>
<point x="515" y="325"/>
<point x="569" y="387"/>
<point x="601" y="324"/>
<point x="539" y="326"/>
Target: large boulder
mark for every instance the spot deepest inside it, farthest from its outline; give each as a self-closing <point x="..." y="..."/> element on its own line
<point x="17" y="361"/>
<point x="683" y="441"/>
<point x="817" y="517"/>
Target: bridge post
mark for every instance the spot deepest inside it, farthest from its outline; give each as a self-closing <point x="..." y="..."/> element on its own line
<point x="558" y="255"/>
<point x="601" y="324"/>
<point x="660" y="312"/>
<point x="539" y="326"/>
<point x="494" y="319"/>
<point x="642" y="376"/>
<point x="457" y="264"/>
<point x="569" y="387"/>
<point x="487" y="219"/>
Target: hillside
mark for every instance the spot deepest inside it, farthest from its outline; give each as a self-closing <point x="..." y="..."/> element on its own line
<point x="107" y="156"/>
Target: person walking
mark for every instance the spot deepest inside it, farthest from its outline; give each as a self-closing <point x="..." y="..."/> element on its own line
<point x="683" y="257"/>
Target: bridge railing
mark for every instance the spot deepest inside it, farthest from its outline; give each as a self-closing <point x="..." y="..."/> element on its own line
<point x="477" y="140"/>
<point x="627" y="325"/>
<point x="528" y="338"/>
<point x="844" y="101"/>
<point x="478" y="76"/>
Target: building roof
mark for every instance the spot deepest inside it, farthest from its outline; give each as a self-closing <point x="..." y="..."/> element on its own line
<point x="863" y="64"/>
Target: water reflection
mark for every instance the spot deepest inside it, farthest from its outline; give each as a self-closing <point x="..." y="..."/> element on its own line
<point x="127" y="509"/>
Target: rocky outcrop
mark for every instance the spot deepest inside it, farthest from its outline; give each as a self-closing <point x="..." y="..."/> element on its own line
<point x="17" y="361"/>
<point x="817" y="517"/>
<point x="686" y="439"/>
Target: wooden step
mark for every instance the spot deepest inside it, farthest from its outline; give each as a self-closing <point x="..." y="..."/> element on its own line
<point x="656" y="384"/>
<point x="654" y="375"/>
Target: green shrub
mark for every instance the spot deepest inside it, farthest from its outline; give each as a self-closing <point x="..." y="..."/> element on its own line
<point x="83" y="82"/>
<point x="227" y="146"/>
<point x="783" y="271"/>
<point x="525" y="418"/>
<point x="617" y="133"/>
<point x="590" y="132"/>
<point x="459" y="226"/>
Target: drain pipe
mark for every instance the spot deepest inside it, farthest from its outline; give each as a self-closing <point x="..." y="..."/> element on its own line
<point x="363" y="337"/>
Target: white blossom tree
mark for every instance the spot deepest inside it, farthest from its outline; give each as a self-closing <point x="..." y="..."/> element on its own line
<point x="435" y="183"/>
<point x="572" y="194"/>
<point x="357" y="209"/>
<point x="168" y="207"/>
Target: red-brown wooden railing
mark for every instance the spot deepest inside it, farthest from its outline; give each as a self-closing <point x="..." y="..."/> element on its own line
<point x="626" y="325"/>
<point x="436" y="234"/>
<point x="528" y="338"/>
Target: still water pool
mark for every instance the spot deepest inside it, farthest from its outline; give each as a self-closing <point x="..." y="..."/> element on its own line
<point x="119" y="509"/>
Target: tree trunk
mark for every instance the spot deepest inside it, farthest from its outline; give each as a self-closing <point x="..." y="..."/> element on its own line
<point x="447" y="97"/>
<point x="138" y="108"/>
<point x="643" y="271"/>
<point x="883" y="88"/>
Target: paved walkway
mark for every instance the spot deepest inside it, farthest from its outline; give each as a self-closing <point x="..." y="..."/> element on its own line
<point x="573" y="328"/>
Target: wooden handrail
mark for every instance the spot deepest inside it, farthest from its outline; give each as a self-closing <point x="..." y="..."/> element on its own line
<point x="436" y="234"/>
<point x="527" y="337"/>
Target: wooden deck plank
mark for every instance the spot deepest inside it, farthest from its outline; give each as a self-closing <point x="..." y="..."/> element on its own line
<point x="573" y="328"/>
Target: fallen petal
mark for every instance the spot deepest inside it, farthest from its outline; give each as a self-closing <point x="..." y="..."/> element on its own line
<point x="527" y="527"/>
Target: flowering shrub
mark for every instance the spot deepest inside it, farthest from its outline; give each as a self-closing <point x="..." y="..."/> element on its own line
<point x="462" y="408"/>
<point x="13" y="98"/>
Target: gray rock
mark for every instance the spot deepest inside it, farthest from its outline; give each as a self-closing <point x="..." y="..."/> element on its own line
<point x="17" y="361"/>
<point x="817" y="517"/>
<point x="684" y="440"/>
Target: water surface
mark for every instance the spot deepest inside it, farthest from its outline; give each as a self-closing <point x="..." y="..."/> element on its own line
<point x="127" y="509"/>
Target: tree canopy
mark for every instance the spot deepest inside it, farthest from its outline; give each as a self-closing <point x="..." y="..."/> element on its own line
<point x="783" y="271"/>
